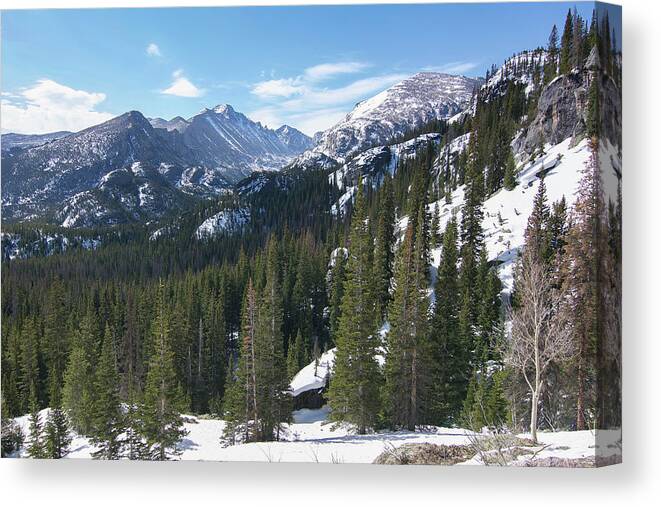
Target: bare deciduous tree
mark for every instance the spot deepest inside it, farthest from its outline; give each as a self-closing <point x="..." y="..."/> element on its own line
<point x="539" y="333"/>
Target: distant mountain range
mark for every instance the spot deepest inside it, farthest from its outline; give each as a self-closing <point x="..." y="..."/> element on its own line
<point x="10" y="141"/>
<point x="104" y="167"/>
<point x="132" y="168"/>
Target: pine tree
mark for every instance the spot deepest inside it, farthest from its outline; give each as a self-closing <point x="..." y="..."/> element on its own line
<point x="449" y="354"/>
<point x="294" y="355"/>
<point x="338" y="275"/>
<point x="354" y="390"/>
<point x="509" y="181"/>
<point x="161" y="422"/>
<point x="270" y="361"/>
<point x="36" y="447"/>
<point x="215" y="351"/>
<point x="135" y="447"/>
<point x="586" y="272"/>
<point x="241" y="410"/>
<point x="12" y="436"/>
<point x="536" y="235"/>
<point x="384" y="249"/>
<point x="407" y="368"/>
<point x="566" y="44"/>
<point x="489" y="319"/>
<point x="78" y="390"/>
<point x="472" y="244"/>
<point x="551" y="66"/>
<point x="435" y="226"/>
<point x="29" y="365"/>
<point x="557" y="229"/>
<point x="107" y="417"/>
<point x="58" y="437"/>
<point x="55" y="338"/>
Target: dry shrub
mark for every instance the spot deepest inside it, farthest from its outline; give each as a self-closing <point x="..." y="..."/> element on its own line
<point x="423" y="454"/>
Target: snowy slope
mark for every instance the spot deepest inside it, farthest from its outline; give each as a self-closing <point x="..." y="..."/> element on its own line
<point x="373" y="164"/>
<point x="311" y="439"/>
<point x="506" y="212"/>
<point x="518" y="68"/>
<point x="225" y="221"/>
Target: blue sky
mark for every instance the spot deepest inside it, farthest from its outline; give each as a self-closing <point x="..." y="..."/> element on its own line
<point x="304" y="66"/>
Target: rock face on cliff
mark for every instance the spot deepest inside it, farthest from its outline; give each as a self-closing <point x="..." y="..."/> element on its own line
<point x="562" y="111"/>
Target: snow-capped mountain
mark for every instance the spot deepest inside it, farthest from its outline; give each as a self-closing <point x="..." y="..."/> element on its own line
<point x="39" y="179"/>
<point x="295" y="139"/>
<point x="10" y="141"/>
<point x="226" y="139"/>
<point x="69" y="176"/>
<point x="123" y="195"/>
<point x="396" y="111"/>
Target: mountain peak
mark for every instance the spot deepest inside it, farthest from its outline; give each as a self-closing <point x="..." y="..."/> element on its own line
<point x="224" y="109"/>
<point x="403" y="107"/>
<point x="294" y="138"/>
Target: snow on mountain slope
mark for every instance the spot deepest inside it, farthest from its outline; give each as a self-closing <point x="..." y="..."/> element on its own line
<point x="392" y="113"/>
<point x="506" y="212"/>
<point x="519" y="68"/>
<point x="225" y="221"/>
<point x="11" y="140"/>
<point x="227" y="140"/>
<point x="39" y="179"/>
<point x="19" y="246"/>
<point x="373" y="164"/>
<point x="202" y="157"/>
<point x="123" y="195"/>
<point x="294" y="139"/>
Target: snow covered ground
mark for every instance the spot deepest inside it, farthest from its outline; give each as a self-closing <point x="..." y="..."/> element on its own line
<point x="311" y="438"/>
<point x="506" y="212"/>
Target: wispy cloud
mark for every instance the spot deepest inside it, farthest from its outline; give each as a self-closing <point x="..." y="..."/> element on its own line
<point x="452" y="67"/>
<point x="48" y="106"/>
<point x="182" y="86"/>
<point x="348" y="94"/>
<point x="306" y="121"/>
<point x="305" y="82"/>
<point x="278" y="88"/>
<point x="153" y="50"/>
<point x="305" y="100"/>
<point x="329" y="70"/>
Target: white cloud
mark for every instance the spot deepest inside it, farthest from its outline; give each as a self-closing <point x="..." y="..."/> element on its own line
<point x="453" y="67"/>
<point x="48" y="106"/>
<point x="349" y="94"/>
<point x="153" y="50"/>
<point x="309" y="122"/>
<point x="302" y="84"/>
<point x="182" y="87"/>
<point x="329" y="70"/>
<point x="278" y="88"/>
<point x="305" y="102"/>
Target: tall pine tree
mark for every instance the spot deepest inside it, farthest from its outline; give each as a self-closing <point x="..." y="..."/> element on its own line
<point x="160" y="417"/>
<point x="107" y="417"/>
<point x="354" y="390"/>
